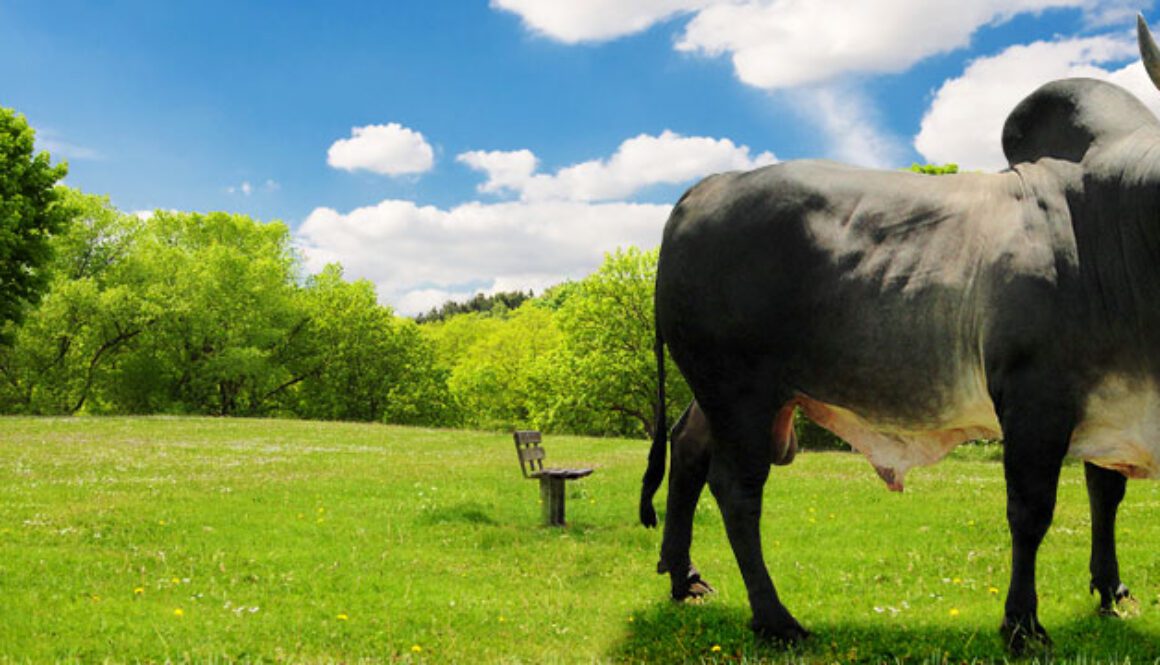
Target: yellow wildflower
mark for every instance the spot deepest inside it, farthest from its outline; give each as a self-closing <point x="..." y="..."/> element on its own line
<point x="716" y="648"/>
<point x="415" y="648"/>
<point x="178" y="612"/>
<point x="342" y="617"/>
<point x="954" y="612"/>
<point x="994" y="591"/>
<point x="139" y="591"/>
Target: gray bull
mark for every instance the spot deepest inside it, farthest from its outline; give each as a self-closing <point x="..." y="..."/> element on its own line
<point x="908" y="313"/>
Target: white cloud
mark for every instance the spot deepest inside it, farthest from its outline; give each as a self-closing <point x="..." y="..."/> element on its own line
<point x="638" y="163"/>
<point x="505" y="170"/>
<point x="418" y="256"/>
<point x="385" y="149"/>
<point x="574" y="21"/>
<point x="850" y="125"/>
<point x="788" y="43"/>
<point x="421" y="301"/>
<point x="1116" y="13"/>
<point x="560" y="228"/>
<point x="964" y="122"/>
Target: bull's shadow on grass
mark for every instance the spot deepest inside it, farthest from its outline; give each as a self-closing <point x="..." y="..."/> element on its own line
<point x="684" y="632"/>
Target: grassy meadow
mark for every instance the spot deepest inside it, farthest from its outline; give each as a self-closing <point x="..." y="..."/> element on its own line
<point x="189" y="539"/>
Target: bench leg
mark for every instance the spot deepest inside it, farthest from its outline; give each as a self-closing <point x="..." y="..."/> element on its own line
<point x="552" y="498"/>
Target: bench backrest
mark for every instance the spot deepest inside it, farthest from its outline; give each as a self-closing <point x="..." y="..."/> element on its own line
<point x="530" y="452"/>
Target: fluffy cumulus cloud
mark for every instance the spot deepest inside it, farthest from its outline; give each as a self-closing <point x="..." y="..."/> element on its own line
<point x="787" y="43"/>
<point x="390" y="149"/>
<point x="574" y="21"/>
<point x="559" y="227"/>
<point x="964" y="122"/>
<point x="639" y="162"/>
<point x="420" y="256"/>
<point x="506" y="170"/>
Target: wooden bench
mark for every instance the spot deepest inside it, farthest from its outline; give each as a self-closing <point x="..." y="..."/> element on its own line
<point x="531" y="455"/>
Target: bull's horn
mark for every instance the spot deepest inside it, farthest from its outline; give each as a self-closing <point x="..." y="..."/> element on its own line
<point x="1149" y="52"/>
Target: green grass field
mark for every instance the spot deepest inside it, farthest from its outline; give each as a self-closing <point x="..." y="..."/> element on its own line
<point x="184" y="539"/>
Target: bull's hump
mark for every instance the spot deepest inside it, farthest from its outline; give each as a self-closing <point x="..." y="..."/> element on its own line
<point x="1120" y="426"/>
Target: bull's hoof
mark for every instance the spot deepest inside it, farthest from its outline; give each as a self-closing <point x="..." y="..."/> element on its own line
<point x="1110" y="600"/>
<point x="698" y="586"/>
<point x="1024" y="634"/>
<point x="783" y="630"/>
<point x="692" y="586"/>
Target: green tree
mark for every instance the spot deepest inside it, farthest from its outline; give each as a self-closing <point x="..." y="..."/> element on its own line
<point x="421" y="396"/>
<point x="366" y="363"/>
<point x="604" y="378"/>
<point x="89" y="315"/>
<point x="29" y="215"/>
<point x="228" y="322"/>
<point x="452" y="337"/>
<point x="500" y="376"/>
<point x="496" y="304"/>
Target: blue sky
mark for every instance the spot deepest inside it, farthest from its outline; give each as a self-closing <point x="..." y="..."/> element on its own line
<point x="442" y="147"/>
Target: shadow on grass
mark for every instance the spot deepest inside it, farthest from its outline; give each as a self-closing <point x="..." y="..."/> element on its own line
<point x="680" y="632"/>
<point x="470" y="512"/>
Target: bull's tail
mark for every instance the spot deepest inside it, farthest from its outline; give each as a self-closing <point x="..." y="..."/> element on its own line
<point x="655" y="472"/>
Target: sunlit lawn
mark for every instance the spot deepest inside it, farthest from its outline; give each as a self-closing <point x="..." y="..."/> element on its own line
<point x="153" y="539"/>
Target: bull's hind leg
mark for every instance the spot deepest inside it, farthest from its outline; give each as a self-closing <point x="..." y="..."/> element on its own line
<point x="737" y="474"/>
<point x="687" y="475"/>
<point x="1105" y="491"/>
<point x="1036" y="436"/>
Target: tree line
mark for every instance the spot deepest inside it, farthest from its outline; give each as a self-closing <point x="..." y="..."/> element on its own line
<point x="188" y="313"/>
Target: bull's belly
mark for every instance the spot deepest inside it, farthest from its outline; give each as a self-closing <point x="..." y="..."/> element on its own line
<point x="1120" y="427"/>
<point x="1119" y="430"/>
<point x="893" y="447"/>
